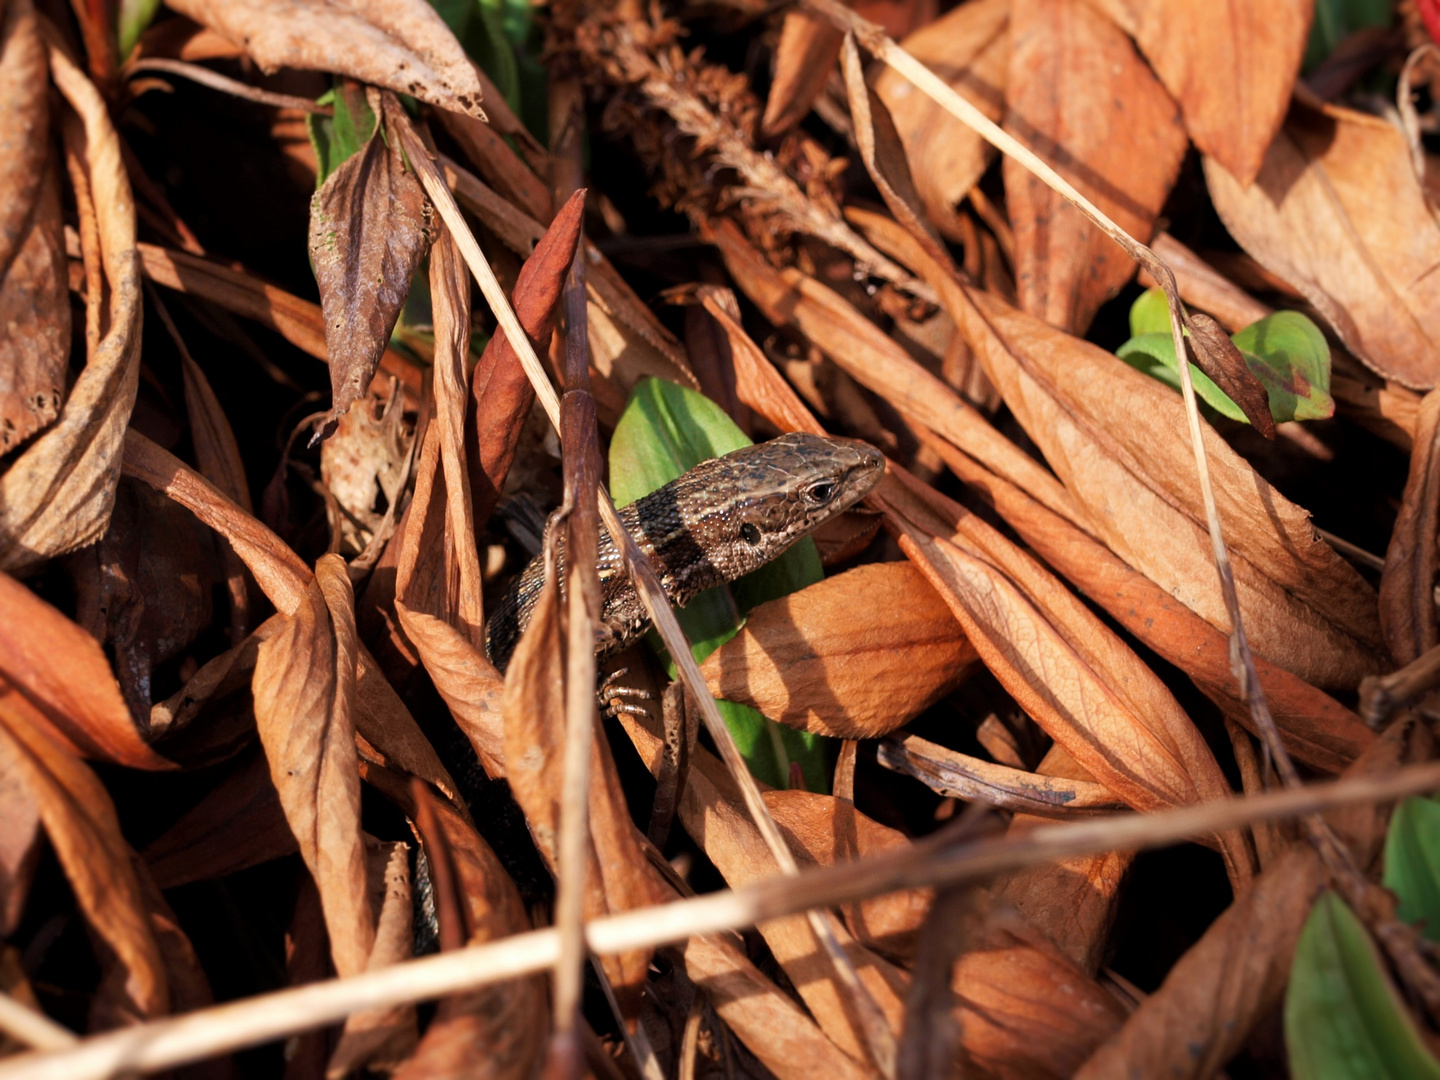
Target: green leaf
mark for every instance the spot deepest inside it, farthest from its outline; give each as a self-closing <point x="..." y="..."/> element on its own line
<point x="337" y="137"/>
<point x="1343" y="1017"/>
<point x="1150" y="314"/>
<point x="131" y="20"/>
<point x="665" y="431"/>
<point x="1288" y="353"/>
<point x="1412" y="863"/>
<point x="491" y="48"/>
<point x="1154" y="354"/>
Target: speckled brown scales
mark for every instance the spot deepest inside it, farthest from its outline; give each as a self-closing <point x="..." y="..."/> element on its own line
<point x="721" y="520"/>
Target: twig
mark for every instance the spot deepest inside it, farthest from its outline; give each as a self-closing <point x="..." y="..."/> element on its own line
<point x="33" y="1028"/>
<point x="164" y="1044"/>
<point x="215" y="81"/>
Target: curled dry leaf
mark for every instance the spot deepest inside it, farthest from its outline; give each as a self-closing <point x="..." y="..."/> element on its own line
<point x="616" y="874"/>
<point x="304" y="699"/>
<point x="20" y="843"/>
<point x="298" y="321"/>
<point x="1108" y="432"/>
<point x="400" y="44"/>
<point x="1078" y="93"/>
<point x="500" y="393"/>
<point x="382" y="1038"/>
<point x="969" y="48"/>
<point x="1072" y="901"/>
<point x="1218" y="357"/>
<point x="884" y="154"/>
<point x="854" y="656"/>
<point x="66" y="678"/>
<point x="437" y="579"/>
<point x="960" y="776"/>
<point x="1230" y="66"/>
<point x="804" y="59"/>
<point x="493" y="1032"/>
<point x="370" y="226"/>
<point x="34" y="296"/>
<point x="1337" y="213"/>
<point x="57" y="495"/>
<point x="389" y="731"/>
<point x="1407" y="586"/>
<point x="80" y="820"/>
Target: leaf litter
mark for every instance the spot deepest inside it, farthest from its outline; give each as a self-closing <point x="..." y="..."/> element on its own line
<point x="255" y="742"/>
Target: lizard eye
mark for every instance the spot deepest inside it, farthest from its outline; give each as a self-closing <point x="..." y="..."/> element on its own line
<point x="750" y="534"/>
<point x="820" y="492"/>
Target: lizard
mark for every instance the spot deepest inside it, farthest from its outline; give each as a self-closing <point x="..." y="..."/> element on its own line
<point x="721" y="520"/>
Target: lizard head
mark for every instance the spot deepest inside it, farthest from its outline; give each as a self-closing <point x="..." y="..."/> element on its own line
<point x="740" y="511"/>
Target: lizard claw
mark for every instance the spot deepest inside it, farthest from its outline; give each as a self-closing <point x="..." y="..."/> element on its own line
<point x="612" y="694"/>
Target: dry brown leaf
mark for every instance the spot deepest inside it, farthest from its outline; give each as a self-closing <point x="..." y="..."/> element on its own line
<point x="57" y="495"/>
<point x="1337" y="213"/>
<point x="370" y="226"/>
<point x="1407" y="586"/>
<point x="776" y="1030"/>
<point x="144" y="591"/>
<point x="80" y="820"/>
<point x="969" y="48"/>
<point x="497" y="1031"/>
<point x="1078" y="94"/>
<point x="1026" y="1010"/>
<point x="297" y="321"/>
<point x="804" y="59"/>
<point x="500" y="392"/>
<point x="1230" y="66"/>
<point x="62" y="672"/>
<point x="854" y="656"/>
<point x="34" y="295"/>
<point x="1233" y="978"/>
<point x="1073" y="901"/>
<point x="304" y="698"/>
<point x="1220" y="358"/>
<point x="616" y="875"/>
<point x="382" y="1038"/>
<point x="20" y="843"/>
<point x="884" y="154"/>
<point x="713" y="813"/>
<point x="822" y="831"/>
<point x="400" y="44"/>
<point x="365" y="464"/>
<point x="627" y="341"/>
<point x="437" y="580"/>
<point x="239" y="824"/>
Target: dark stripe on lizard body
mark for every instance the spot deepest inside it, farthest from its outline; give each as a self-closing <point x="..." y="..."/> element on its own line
<point x="723" y="519"/>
